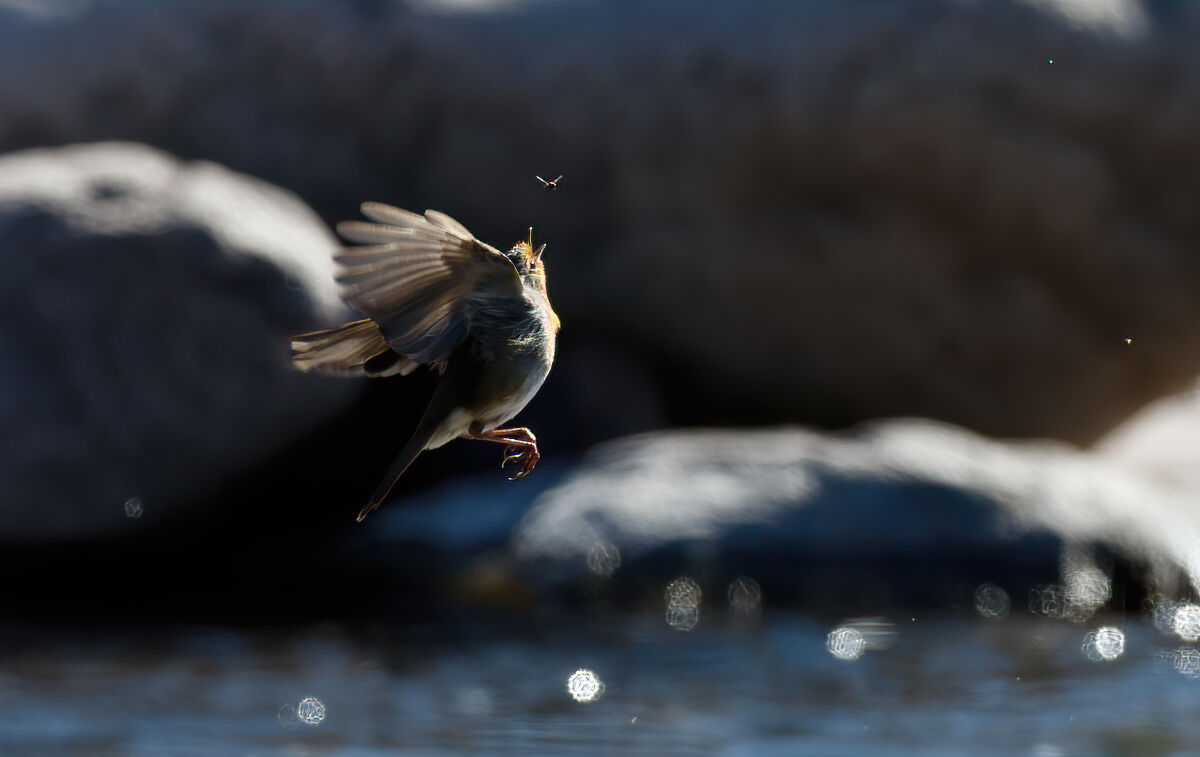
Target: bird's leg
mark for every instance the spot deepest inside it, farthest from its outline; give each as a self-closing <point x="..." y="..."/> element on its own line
<point x="521" y="447"/>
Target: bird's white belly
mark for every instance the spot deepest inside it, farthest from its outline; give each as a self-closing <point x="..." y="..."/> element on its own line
<point x="459" y="421"/>
<point x="502" y="411"/>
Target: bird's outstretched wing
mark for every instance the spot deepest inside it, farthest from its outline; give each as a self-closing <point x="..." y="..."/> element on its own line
<point x="417" y="277"/>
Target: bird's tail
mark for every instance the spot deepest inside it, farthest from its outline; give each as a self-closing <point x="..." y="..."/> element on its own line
<point x="357" y="348"/>
<point x="414" y="447"/>
<point x="440" y="406"/>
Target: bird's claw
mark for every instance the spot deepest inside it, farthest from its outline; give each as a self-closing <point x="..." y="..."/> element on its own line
<point x="527" y="456"/>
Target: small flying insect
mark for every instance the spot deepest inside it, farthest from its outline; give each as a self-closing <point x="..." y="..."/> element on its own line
<point x="549" y="184"/>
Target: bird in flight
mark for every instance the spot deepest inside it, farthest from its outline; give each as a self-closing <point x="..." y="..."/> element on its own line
<point x="434" y="295"/>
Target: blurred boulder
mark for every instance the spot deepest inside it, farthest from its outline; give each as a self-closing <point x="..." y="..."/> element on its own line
<point x="818" y="212"/>
<point x="911" y="507"/>
<point x="1161" y="441"/>
<point x="897" y="513"/>
<point x="145" y="309"/>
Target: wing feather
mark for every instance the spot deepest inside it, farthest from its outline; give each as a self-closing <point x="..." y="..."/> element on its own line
<point x="407" y="267"/>
<point x="416" y="276"/>
<point x="446" y="223"/>
<point x="392" y="215"/>
<point x="372" y="233"/>
<point x="363" y="281"/>
<point x="378" y="253"/>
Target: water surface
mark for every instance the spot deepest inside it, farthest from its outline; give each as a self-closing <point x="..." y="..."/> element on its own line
<point x="939" y="684"/>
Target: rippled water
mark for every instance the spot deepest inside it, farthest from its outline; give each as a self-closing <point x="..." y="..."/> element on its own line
<point x="937" y="685"/>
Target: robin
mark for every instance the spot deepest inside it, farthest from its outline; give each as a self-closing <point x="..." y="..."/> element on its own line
<point x="436" y="296"/>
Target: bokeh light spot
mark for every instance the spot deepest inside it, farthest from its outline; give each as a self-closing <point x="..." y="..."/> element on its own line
<point x="1049" y="601"/>
<point x="603" y="558"/>
<point x="584" y="686"/>
<point x="745" y="599"/>
<point x="311" y="711"/>
<point x="1086" y="588"/>
<point x="1186" y="661"/>
<point x="846" y="643"/>
<point x="682" y="618"/>
<point x="474" y="701"/>
<point x="877" y="633"/>
<point x="683" y="597"/>
<point x="1104" y="644"/>
<point x="288" y="718"/>
<point x="683" y="592"/>
<point x="1162" y="613"/>
<point x="991" y="601"/>
<point x="133" y="507"/>
<point x="1186" y="622"/>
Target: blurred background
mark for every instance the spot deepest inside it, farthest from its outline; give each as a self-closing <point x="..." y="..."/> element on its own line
<point x="874" y="427"/>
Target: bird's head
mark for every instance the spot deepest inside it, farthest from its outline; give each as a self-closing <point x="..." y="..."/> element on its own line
<point x="528" y="261"/>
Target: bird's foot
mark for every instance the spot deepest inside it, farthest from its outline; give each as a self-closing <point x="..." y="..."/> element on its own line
<point x="520" y="446"/>
<point x="525" y="454"/>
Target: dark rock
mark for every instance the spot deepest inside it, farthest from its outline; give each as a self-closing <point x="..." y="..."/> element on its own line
<point x="812" y="212"/>
<point x="145" y="309"/>
<point x="900" y="512"/>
